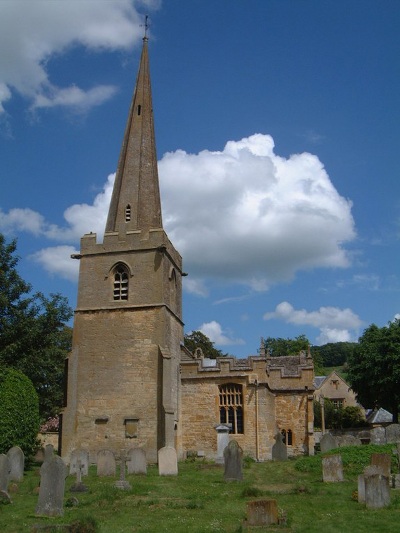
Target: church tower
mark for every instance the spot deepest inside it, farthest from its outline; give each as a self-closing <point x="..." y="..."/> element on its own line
<point x="123" y="371"/>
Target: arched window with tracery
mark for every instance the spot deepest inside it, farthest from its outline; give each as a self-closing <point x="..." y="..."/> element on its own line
<point x="287" y="437"/>
<point x="121" y="282"/>
<point x="231" y="406"/>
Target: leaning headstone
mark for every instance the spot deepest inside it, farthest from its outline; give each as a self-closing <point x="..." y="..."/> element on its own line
<point x="378" y="435"/>
<point x="377" y="490"/>
<point x="167" y="461"/>
<point x="327" y="443"/>
<point x="233" y="457"/>
<point x="222" y="440"/>
<point x="332" y="468"/>
<point x="136" y="462"/>
<point x="122" y="483"/>
<point x="81" y="457"/>
<point x="106" y="465"/>
<point x="279" y="450"/>
<point x="382" y="461"/>
<point x="52" y="485"/>
<point x="17" y="463"/>
<point x="262" y="513"/>
<point x="5" y="470"/>
<point x="393" y="433"/>
<point x="4" y="497"/>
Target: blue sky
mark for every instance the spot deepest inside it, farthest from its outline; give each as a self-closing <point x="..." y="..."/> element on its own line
<point x="277" y="127"/>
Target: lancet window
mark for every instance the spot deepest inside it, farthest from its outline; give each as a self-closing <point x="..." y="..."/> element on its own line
<point x="121" y="282"/>
<point x="231" y="406"/>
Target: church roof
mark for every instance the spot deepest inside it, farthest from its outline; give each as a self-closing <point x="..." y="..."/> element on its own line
<point x="135" y="202"/>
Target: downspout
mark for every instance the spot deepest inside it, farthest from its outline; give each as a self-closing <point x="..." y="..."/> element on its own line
<point x="257" y="436"/>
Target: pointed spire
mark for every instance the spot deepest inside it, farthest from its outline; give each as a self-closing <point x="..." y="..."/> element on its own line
<point x="135" y="202"/>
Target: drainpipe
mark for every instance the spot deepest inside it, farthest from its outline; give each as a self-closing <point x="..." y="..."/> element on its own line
<point x="257" y="437"/>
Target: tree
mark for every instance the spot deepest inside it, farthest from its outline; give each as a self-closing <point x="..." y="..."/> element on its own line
<point x="280" y="347"/>
<point x="34" y="337"/>
<point x="19" y="412"/>
<point x="334" y="353"/>
<point x="374" y="368"/>
<point x="197" y="339"/>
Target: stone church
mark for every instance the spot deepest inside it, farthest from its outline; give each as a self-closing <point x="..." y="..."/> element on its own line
<point x="130" y="380"/>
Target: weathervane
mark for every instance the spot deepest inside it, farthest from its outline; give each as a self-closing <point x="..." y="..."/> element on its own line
<point x="146" y="26"/>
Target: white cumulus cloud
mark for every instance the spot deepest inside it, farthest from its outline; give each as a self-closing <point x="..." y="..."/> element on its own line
<point x="249" y="215"/>
<point x="216" y="334"/>
<point x="57" y="261"/>
<point x="335" y="324"/>
<point x="31" y="32"/>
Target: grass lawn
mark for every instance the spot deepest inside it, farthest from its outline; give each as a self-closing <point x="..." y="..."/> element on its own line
<point x="198" y="500"/>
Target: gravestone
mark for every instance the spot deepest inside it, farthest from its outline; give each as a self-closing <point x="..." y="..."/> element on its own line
<point x="327" y="443"/>
<point x="383" y="462"/>
<point x="122" y="483"/>
<point x="222" y="440"/>
<point x="52" y="485"/>
<point x="81" y="456"/>
<point x="262" y="513"/>
<point x="361" y="488"/>
<point x="137" y="461"/>
<point x="349" y="440"/>
<point x="332" y="468"/>
<point x="17" y="463"/>
<point x="5" y="470"/>
<point x="393" y="433"/>
<point x="78" y="486"/>
<point x="378" y="435"/>
<point x="106" y="465"/>
<point x="279" y="450"/>
<point x="377" y="490"/>
<point x="233" y="458"/>
<point x="167" y="461"/>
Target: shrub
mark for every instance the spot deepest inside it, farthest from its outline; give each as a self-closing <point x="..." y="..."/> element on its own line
<point x="19" y="412"/>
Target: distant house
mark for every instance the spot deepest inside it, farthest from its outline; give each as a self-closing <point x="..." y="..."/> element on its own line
<point x="335" y="389"/>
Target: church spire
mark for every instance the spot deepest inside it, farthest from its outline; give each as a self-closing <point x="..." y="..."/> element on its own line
<point x="135" y="202"/>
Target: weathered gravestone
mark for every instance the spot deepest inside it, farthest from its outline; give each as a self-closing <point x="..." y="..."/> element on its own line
<point x="52" y="485"/>
<point x="167" y="461"/>
<point x="383" y="461"/>
<point x="262" y="513"/>
<point x="5" y="470"/>
<point x="348" y="440"/>
<point x="233" y="459"/>
<point x="378" y="435"/>
<point x="332" y="468"/>
<point x="393" y="433"/>
<point x="377" y="490"/>
<point x="222" y="440"/>
<point x="327" y="443"/>
<point x="106" y="465"/>
<point x="81" y="457"/>
<point x="17" y="463"/>
<point x="137" y="463"/>
<point x="279" y="450"/>
<point x="122" y="483"/>
<point x="78" y="486"/>
<point x="361" y="488"/>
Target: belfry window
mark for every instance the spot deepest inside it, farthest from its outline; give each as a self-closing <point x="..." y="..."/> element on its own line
<point x="231" y="406"/>
<point x="121" y="283"/>
<point x="127" y="213"/>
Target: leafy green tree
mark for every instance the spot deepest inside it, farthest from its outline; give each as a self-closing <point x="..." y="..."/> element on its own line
<point x="334" y="353"/>
<point x="374" y="368"/>
<point x="278" y="347"/>
<point x="34" y="337"/>
<point x="19" y="412"/>
<point x="197" y="339"/>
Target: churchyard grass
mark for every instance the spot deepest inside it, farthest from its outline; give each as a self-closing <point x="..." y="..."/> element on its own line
<point x="199" y="501"/>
